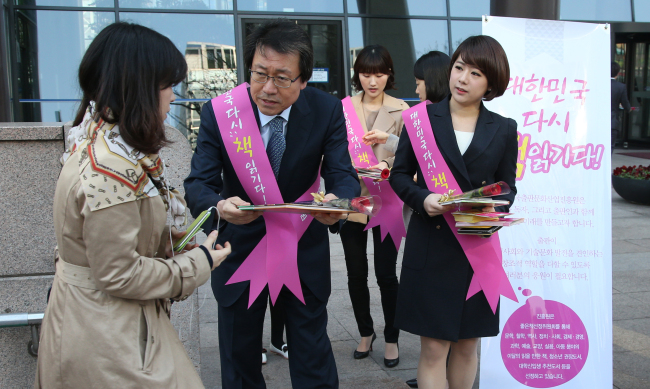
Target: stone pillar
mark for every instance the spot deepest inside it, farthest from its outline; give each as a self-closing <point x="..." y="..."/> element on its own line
<point x="30" y="153"/>
<point x="31" y="167"/>
<point x="530" y="9"/>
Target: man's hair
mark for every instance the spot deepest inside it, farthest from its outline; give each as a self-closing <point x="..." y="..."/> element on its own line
<point x="284" y="37"/>
<point x="486" y="54"/>
<point x="374" y="59"/>
<point x="616" y="68"/>
<point x="433" y="68"/>
<point x="123" y="71"/>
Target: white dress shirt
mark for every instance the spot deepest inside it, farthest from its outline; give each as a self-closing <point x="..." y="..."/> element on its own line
<point x="265" y="131"/>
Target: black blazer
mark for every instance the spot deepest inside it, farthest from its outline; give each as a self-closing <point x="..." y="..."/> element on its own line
<point x="619" y="96"/>
<point x="490" y="157"/>
<point x="315" y="132"/>
<point x="435" y="270"/>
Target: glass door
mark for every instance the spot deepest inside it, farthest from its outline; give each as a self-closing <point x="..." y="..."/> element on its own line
<point x="638" y="84"/>
<point x="327" y="40"/>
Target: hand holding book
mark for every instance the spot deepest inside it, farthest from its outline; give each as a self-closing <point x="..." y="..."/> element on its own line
<point x="376" y="174"/>
<point x="478" y="197"/>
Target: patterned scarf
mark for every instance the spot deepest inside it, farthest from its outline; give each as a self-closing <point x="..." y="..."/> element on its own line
<point x="112" y="172"/>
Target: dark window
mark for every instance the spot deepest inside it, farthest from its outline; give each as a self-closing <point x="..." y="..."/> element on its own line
<point x="399" y="7"/>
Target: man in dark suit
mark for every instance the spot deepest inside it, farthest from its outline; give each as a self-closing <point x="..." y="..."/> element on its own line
<point x="619" y="97"/>
<point x="308" y="127"/>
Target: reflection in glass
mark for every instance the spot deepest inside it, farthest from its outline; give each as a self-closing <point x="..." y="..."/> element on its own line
<point x="56" y="111"/>
<point x="611" y="10"/>
<point x="641" y="11"/>
<point x="331" y="6"/>
<point x="6" y="93"/>
<point x="48" y="62"/>
<point x="461" y="30"/>
<point x="429" y="35"/>
<point x="469" y="8"/>
<point x="208" y="43"/>
<point x="69" y="3"/>
<point x="619" y="57"/>
<point x="178" y="4"/>
<point x="639" y="127"/>
<point x="398" y="7"/>
<point x="405" y="39"/>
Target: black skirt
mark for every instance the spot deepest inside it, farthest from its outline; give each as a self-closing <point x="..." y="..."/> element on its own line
<point x="433" y="287"/>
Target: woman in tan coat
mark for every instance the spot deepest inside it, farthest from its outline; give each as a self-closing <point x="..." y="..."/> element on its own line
<point x="373" y="74"/>
<point x="106" y="324"/>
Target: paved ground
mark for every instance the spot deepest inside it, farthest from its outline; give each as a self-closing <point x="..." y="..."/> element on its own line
<point x="631" y="306"/>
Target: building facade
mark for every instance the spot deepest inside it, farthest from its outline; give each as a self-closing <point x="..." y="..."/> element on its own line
<point x="43" y="42"/>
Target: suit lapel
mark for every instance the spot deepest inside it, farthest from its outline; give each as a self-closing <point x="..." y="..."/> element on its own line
<point x="384" y="120"/>
<point x="443" y="129"/>
<point x="298" y="130"/>
<point x="485" y="130"/>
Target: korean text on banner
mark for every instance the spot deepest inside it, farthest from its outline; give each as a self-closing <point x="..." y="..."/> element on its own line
<point x="560" y="260"/>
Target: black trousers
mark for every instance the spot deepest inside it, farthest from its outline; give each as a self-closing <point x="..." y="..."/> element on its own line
<point x="355" y="240"/>
<point x="240" y="334"/>
<point x="277" y="324"/>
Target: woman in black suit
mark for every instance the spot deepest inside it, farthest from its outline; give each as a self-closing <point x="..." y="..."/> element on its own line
<point x="480" y="148"/>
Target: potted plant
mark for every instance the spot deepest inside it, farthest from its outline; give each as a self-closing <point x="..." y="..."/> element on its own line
<point x="633" y="183"/>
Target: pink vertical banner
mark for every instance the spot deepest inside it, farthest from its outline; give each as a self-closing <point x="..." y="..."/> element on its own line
<point x="389" y="218"/>
<point x="274" y="261"/>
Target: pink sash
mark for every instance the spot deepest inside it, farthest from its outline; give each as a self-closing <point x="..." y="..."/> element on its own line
<point x="274" y="261"/>
<point x="483" y="254"/>
<point x="389" y="218"/>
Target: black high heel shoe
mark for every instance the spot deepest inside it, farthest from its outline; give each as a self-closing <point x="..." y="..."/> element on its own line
<point x="392" y="362"/>
<point x="364" y="354"/>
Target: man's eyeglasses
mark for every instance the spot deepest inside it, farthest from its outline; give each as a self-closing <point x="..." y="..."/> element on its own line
<point x="279" y="81"/>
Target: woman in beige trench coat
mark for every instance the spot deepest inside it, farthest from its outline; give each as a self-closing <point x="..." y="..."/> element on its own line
<point x="106" y="324"/>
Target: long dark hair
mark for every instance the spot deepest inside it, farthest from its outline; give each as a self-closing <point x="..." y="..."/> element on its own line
<point x="433" y="68"/>
<point x="373" y="59"/>
<point x="123" y="71"/>
<point x="284" y="37"/>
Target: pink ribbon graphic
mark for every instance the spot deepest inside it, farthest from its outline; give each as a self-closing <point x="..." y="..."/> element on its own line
<point x="274" y="261"/>
<point x="389" y="218"/>
<point x="483" y="254"/>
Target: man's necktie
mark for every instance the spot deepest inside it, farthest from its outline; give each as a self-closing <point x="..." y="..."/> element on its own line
<point x="277" y="144"/>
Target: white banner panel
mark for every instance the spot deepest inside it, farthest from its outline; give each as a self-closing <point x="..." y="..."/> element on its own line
<point x="560" y="261"/>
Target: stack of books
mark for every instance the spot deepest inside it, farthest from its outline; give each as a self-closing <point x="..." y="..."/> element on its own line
<point x="473" y="222"/>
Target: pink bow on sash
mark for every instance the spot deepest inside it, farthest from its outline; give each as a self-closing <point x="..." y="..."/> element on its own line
<point x="389" y="218"/>
<point x="483" y="254"/>
<point x="274" y="261"/>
